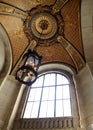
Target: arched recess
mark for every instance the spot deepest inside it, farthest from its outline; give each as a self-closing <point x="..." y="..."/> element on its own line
<point x="59" y="66"/>
<point x="66" y="70"/>
<point x="5" y="54"/>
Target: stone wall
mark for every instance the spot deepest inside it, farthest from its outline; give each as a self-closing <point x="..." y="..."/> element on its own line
<point x="84" y="81"/>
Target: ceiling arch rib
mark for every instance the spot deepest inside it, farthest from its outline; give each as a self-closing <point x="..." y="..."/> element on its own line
<point x="75" y="55"/>
<point x="58" y="5"/>
<point x="11" y="10"/>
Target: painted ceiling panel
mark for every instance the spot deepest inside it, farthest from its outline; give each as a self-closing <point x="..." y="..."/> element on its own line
<point x="60" y="21"/>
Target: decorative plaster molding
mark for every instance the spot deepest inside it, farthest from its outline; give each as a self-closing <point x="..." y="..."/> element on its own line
<point x="12" y="10"/>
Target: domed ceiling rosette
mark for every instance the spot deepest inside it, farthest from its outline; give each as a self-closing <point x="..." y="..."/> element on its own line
<point x="43" y="26"/>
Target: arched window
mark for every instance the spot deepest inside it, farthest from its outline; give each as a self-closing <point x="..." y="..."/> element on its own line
<point x="49" y="96"/>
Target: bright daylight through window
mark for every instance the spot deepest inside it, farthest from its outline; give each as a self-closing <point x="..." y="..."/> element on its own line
<point x="49" y="96"/>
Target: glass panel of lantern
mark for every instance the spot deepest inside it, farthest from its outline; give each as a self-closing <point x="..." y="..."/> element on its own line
<point x="27" y="73"/>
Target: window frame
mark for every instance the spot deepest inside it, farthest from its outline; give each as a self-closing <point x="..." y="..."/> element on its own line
<point x="66" y="75"/>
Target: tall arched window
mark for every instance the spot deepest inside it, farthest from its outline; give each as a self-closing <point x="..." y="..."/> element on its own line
<point x="49" y="96"/>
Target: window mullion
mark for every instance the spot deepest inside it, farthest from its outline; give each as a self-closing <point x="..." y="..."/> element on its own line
<point x="41" y="96"/>
<point x="70" y="97"/>
<point x="62" y="101"/>
<point x="55" y="95"/>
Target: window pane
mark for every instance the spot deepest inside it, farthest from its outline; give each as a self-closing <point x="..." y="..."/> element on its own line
<point x="59" y="108"/>
<point x="50" y="109"/>
<point x="43" y="109"/>
<point x="35" y="94"/>
<point x="67" y="107"/>
<point x="66" y="93"/>
<point x="34" y="84"/>
<point x="51" y="93"/>
<point x="65" y="80"/>
<point x="32" y="95"/>
<point x="49" y="79"/>
<point x="59" y="92"/>
<point x="38" y="94"/>
<point x="45" y="93"/>
<point x="52" y="79"/>
<point x="34" y="112"/>
<point x="38" y="82"/>
<point x="28" y="110"/>
<point x="61" y="79"/>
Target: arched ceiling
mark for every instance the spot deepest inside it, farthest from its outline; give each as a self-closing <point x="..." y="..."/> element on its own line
<point x="53" y="24"/>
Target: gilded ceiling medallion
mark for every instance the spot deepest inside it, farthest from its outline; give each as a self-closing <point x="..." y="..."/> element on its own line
<point x="43" y="25"/>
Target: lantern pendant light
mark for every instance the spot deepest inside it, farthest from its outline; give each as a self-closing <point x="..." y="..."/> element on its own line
<point x="27" y="73"/>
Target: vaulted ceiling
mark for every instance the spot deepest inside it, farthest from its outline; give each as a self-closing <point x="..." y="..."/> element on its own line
<point x="53" y="24"/>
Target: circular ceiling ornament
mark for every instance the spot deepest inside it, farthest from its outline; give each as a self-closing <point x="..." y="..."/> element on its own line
<point x="43" y="26"/>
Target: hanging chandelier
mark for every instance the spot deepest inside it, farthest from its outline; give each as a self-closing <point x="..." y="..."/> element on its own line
<point x="27" y="73"/>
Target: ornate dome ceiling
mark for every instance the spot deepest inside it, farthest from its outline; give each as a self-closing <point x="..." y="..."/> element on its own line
<point x="53" y="24"/>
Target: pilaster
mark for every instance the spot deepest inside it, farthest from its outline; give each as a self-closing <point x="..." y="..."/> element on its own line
<point x="8" y="94"/>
